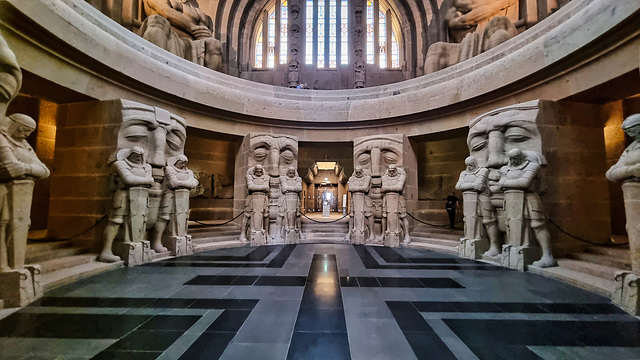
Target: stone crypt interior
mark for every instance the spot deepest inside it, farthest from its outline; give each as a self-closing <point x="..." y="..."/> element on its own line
<point x="268" y="179"/>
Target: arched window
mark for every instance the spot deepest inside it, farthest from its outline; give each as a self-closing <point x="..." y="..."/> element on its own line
<point x="327" y="34"/>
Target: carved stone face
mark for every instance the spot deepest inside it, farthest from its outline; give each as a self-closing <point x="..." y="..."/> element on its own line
<point x="633" y="132"/>
<point x="293" y="66"/>
<point x="360" y="66"/>
<point x="136" y="158"/>
<point x="276" y="153"/>
<point x="257" y="171"/>
<point x="358" y="172"/>
<point x="493" y="135"/>
<point x="10" y="74"/>
<point x="359" y="52"/>
<point x="393" y="171"/>
<point x="161" y="134"/>
<point x="291" y="173"/>
<point x="295" y="12"/>
<point x="375" y="153"/>
<point x="358" y="31"/>
<point x="295" y="30"/>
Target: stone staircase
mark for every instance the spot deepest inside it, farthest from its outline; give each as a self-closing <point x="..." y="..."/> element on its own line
<point x="592" y="269"/>
<point x="63" y="263"/>
<point x="211" y="237"/>
<point x="335" y="232"/>
<point x="437" y="239"/>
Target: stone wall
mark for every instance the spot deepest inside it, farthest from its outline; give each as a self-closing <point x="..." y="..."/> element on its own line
<point x="80" y="179"/>
<point x="212" y="158"/>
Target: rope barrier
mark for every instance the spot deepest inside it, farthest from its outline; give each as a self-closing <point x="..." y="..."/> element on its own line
<point x="74" y="236"/>
<point x="429" y="224"/>
<point x="324" y="222"/>
<point x="224" y="223"/>
<point x="581" y="239"/>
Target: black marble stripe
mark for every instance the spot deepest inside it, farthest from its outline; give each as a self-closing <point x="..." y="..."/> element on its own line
<point x="159" y="303"/>
<point x="424" y="341"/>
<point x="258" y="254"/>
<point x="321" y="331"/>
<point x="510" y="307"/>
<point x="232" y="280"/>
<point x="370" y="262"/>
<point x="282" y="257"/>
<point x="510" y="338"/>
<point x="400" y="282"/>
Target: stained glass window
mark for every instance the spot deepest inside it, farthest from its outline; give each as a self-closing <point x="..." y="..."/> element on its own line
<point x="271" y="44"/>
<point x="321" y="33"/>
<point x="333" y="34"/>
<point x="284" y="25"/>
<point x="370" y="39"/>
<point x="309" y="31"/>
<point x="395" y="59"/>
<point x="259" y="50"/>
<point x="344" y="32"/>
<point x="382" y="39"/>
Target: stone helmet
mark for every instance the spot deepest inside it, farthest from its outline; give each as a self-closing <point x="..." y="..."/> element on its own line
<point x="631" y="121"/>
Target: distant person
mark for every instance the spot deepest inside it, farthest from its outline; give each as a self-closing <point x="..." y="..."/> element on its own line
<point x="452" y="203"/>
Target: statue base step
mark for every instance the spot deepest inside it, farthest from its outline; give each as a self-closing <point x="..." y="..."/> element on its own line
<point x="392" y="239"/>
<point x="291" y="236"/>
<point x="20" y="287"/>
<point x="258" y="238"/>
<point x="472" y="248"/>
<point x="178" y="245"/>
<point x="357" y="237"/>
<point x="625" y="293"/>
<point x="134" y="253"/>
<point x="519" y="257"/>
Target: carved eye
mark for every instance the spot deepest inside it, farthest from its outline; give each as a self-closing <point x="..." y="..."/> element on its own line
<point x="260" y="153"/>
<point x="175" y="141"/>
<point x="364" y="158"/>
<point x="390" y="157"/>
<point x="517" y="138"/>
<point x="479" y="146"/>
<point x="287" y="156"/>
<point x="136" y="133"/>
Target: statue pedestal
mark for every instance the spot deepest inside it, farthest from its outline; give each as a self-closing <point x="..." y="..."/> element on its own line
<point x="291" y="236"/>
<point x="519" y="257"/>
<point x="258" y="238"/>
<point x="178" y="245"/>
<point x="19" y="195"/>
<point x="625" y="292"/>
<point x="134" y="253"/>
<point x="514" y="217"/>
<point x="325" y="210"/>
<point x="357" y="236"/>
<point x="631" y="192"/>
<point x="472" y="248"/>
<point x="20" y="287"/>
<point x="392" y="238"/>
<point x="473" y="228"/>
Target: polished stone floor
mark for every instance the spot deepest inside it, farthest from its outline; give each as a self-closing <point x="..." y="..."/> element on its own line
<point x="319" y="302"/>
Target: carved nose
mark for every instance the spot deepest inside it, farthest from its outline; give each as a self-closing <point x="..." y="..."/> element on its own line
<point x="273" y="162"/>
<point x="497" y="157"/>
<point x="376" y="167"/>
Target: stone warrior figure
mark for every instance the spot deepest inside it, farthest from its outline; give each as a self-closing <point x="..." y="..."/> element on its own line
<point x="132" y="179"/>
<point x="256" y="207"/>
<point x="177" y="178"/>
<point x="289" y="206"/>
<point x="361" y="207"/>
<point x="19" y="167"/>
<point x="182" y="28"/>
<point x="627" y="170"/>
<point x="476" y="26"/>
<point x="394" y="210"/>
<point x="472" y="181"/>
<point x="522" y="174"/>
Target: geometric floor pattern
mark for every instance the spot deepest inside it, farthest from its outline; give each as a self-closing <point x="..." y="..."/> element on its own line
<point x="319" y="301"/>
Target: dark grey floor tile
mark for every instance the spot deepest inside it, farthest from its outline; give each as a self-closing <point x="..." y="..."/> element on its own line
<point x="399" y="282"/>
<point x="239" y="304"/>
<point x="126" y="355"/>
<point x="169" y="323"/>
<point x="427" y="345"/>
<point x="281" y="281"/>
<point x="321" y="320"/>
<point x="146" y="341"/>
<point x="209" y="346"/>
<point x="440" y="283"/>
<point x="319" y="346"/>
<point x="368" y="282"/>
<point x="229" y="320"/>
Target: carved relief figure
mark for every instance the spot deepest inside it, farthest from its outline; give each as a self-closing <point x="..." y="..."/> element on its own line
<point x="491" y="137"/>
<point x="476" y="26"/>
<point x="19" y="167"/>
<point x="294" y="74"/>
<point x="394" y="209"/>
<point x="361" y="207"/>
<point x="522" y="174"/>
<point x="472" y="181"/>
<point x="276" y="154"/>
<point x="132" y="178"/>
<point x="182" y="28"/>
<point x="627" y="170"/>
<point x="256" y="211"/>
<point x="360" y="68"/>
<point x="178" y="180"/>
<point x="289" y="207"/>
<point x="374" y="154"/>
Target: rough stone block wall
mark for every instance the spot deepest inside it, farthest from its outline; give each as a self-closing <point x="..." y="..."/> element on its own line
<point x="440" y="163"/>
<point x="212" y="157"/>
<point x="577" y="196"/>
<point x="80" y="179"/>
